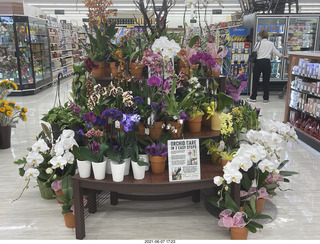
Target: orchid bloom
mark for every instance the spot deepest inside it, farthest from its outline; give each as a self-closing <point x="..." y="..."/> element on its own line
<point x="40" y="146"/>
<point x="34" y="158"/>
<point x="31" y="172"/>
<point x="58" y="162"/>
<point x="69" y="157"/>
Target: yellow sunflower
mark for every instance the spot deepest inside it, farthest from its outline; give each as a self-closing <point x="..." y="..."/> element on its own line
<point x="2" y="110"/>
<point x="18" y="107"/>
<point x="24" y="119"/>
<point x="24" y="109"/>
<point x="9" y="113"/>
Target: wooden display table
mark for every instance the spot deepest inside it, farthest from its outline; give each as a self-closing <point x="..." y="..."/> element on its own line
<point x="152" y="183"/>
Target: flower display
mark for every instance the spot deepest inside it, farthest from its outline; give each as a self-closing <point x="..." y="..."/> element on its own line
<point x="226" y="124"/>
<point x="10" y="112"/>
<point x="166" y="48"/>
<point x="5" y="88"/>
<point x="227" y="221"/>
<point x="90" y="65"/>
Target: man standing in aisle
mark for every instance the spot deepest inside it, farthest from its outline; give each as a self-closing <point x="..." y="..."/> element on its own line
<point x="263" y="65"/>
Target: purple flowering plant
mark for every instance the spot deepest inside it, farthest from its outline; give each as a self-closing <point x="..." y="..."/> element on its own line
<point x="204" y="61"/>
<point x="159" y="149"/>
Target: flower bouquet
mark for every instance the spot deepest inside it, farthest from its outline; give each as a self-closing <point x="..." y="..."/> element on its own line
<point x="235" y="85"/>
<point x="6" y="86"/>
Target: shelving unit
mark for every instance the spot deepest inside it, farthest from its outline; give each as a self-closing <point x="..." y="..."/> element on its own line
<point x="303" y="96"/>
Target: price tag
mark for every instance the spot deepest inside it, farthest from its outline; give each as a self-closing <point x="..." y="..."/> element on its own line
<point x="148" y="121"/>
<point x="117" y="124"/>
<point x="149" y="101"/>
<point x="147" y="131"/>
<point x="109" y="121"/>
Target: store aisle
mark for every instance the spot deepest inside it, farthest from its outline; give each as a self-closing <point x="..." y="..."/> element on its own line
<point x="31" y="217"/>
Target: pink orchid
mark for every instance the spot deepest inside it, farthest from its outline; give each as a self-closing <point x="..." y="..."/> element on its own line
<point x="273" y="179"/>
<point x="262" y="193"/>
<point x="227" y="221"/>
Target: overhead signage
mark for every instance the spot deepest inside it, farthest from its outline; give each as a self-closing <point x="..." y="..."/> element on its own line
<point x="184" y="160"/>
<point x="57" y="12"/>
<point x="85" y="20"/>
<point x="193" y="21"/>
<point x="216" y="11"/>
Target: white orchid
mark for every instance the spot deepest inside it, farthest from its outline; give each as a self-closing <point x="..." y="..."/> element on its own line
<point x="40" y="146"/>
<point x="69" y="157"/>
<point x="67" y="134"/>
<point x="266" y="165"/>
<point x="58" y="162"/>
<point x="34" y="158"/>
<point x="31" y="172"/>
<point x="68" y="143"/>
<point x="232" y="176"/>
<point x="167" y="48"/>
<point x="58" y="149"/>
<point x="244" y="162"/>
<point x="218" y="180"/>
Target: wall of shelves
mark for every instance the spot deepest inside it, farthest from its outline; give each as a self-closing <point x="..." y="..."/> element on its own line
<point x="303" y="96"/>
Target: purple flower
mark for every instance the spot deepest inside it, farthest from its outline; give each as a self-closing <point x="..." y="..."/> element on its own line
<point x="90" y="117"/>
<point x="129" y="120"/>
<point x="156" y="106"/>
<point x="183" y="116"/>
<point x="155" y="81"/>
<point x="138" y="99"/>
<point x="80" y="132"/>
<point x="116" y="114"/>
<point x="100" y="121"/>
<point x="159" y="149"/>
<point x="95" y="147"/>
<point x="106" y="113"/>
<point x="241" y="77"/>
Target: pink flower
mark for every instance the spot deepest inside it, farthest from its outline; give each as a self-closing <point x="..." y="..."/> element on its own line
<point x="56" y="185"/>
<point x="155" y="81"/>
<point x="262" y="193"/>
<point x="227" y="221"/>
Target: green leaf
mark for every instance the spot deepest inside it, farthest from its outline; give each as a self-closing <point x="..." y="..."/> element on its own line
<point x="288" y="173"/>
<point x="262" y="178"/>
<point x="256" y="225"/>
<point x="230" y="203"/>
<point x="21" y="172"/>
<point x="67" y="187"/>
<point x="283" y="163"/>
<point x="20" y="161"/>
<point x="253" y="205"/>
<point x="246" y="182"/>
<point x="76" y="153"/>
<point x="193" y="41"/>
<point x="251" y="228"/>
<point x="248" y="211"/>
<point x="224" y="101"/>
<point x="214" y="201"/>
<point x="263" y="216"/>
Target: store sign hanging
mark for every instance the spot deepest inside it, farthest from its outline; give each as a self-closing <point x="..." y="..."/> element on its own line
<point x="58" y="12"/>
<point x="85" y="20"/>
<point x="216" y="11"/>
<point x="238" y="31"/>
<point x="193" y="21"/>
<point x="184" y="160"/>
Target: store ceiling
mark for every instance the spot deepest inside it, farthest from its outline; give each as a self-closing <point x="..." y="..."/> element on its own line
<point x="77" y="9"/>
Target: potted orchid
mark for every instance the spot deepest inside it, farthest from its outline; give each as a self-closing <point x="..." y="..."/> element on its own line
<point x="158" y="156"/>
<point x="235" y="85"/>
<point x="48" y="160"/>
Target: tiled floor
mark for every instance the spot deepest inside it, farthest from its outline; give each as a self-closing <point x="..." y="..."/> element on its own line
<point x="31" y="217"/>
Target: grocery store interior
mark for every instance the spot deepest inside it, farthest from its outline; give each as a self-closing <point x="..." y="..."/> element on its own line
<point x="44" y="42"/>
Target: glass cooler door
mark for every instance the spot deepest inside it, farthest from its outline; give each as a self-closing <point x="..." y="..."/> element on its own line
<point x="302" y="33"/>
<point x="276" y="27"/>
<point x="8" y="56"/>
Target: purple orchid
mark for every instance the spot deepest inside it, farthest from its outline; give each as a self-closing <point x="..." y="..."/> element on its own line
<point x="159" y="149"/>
<point x="184" y="116"/>
<point x="80" y="132"/>
<point x="116" y="114"/>
<point x="156" y="106"/>
<point x="129" y="120"/>
<point x="138" y="99"/>
<point x="155" y="81"/>
<point x="106" y="113"/>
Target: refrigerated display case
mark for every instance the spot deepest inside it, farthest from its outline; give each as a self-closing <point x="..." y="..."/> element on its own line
<point x="25" y="53"/>
<point x="288" y="32"/>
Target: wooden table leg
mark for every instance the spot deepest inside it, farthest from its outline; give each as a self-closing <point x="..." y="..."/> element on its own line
<point x="78" y="210"/>
<point x="196" y="195"/>
<point x="113" y="198"/>
<point x="92" y="201"/>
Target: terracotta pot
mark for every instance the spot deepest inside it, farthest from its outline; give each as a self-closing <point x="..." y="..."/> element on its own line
<point x="142" y="129"/>
<point x="69" y="220"/>
<point x="194" y="124"/>
<point x="59" y="193"/>
<point x="215" y="122"/>
<point x="260" y="203"/>
<point x="114" y="69"/>
<point x="5" y="137"/>
<point x="136" y="70"/>
<point x="213" y="72"/>
<point x="101" y="71"/>
<point x="206" y="122"/>
<point x="222" y="161"/>
<point x="178" y="126"/>
<point x="239" y="233"/>
<point x="156" y="131"/>
<point x="158" y="164"/>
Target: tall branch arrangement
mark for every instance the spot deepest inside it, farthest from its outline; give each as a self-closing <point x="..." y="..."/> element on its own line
<point x="99" y="11"/>
<point x="159" y="12"/>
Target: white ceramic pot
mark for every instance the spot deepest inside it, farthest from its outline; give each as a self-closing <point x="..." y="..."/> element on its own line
<point x="138" y="171"/>
<point x="108" y="166"/>
<point x="117" y="171"/>
<point x="84" y="168"/>
<point x="99" y="170"/>
<point x="144" y="158"/>
<point x="127" y="166"/>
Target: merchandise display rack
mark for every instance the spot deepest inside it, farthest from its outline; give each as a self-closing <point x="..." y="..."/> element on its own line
<point x="303" y="96"/>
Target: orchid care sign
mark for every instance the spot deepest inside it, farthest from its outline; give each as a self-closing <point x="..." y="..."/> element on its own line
<point x="184" y="160"/>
